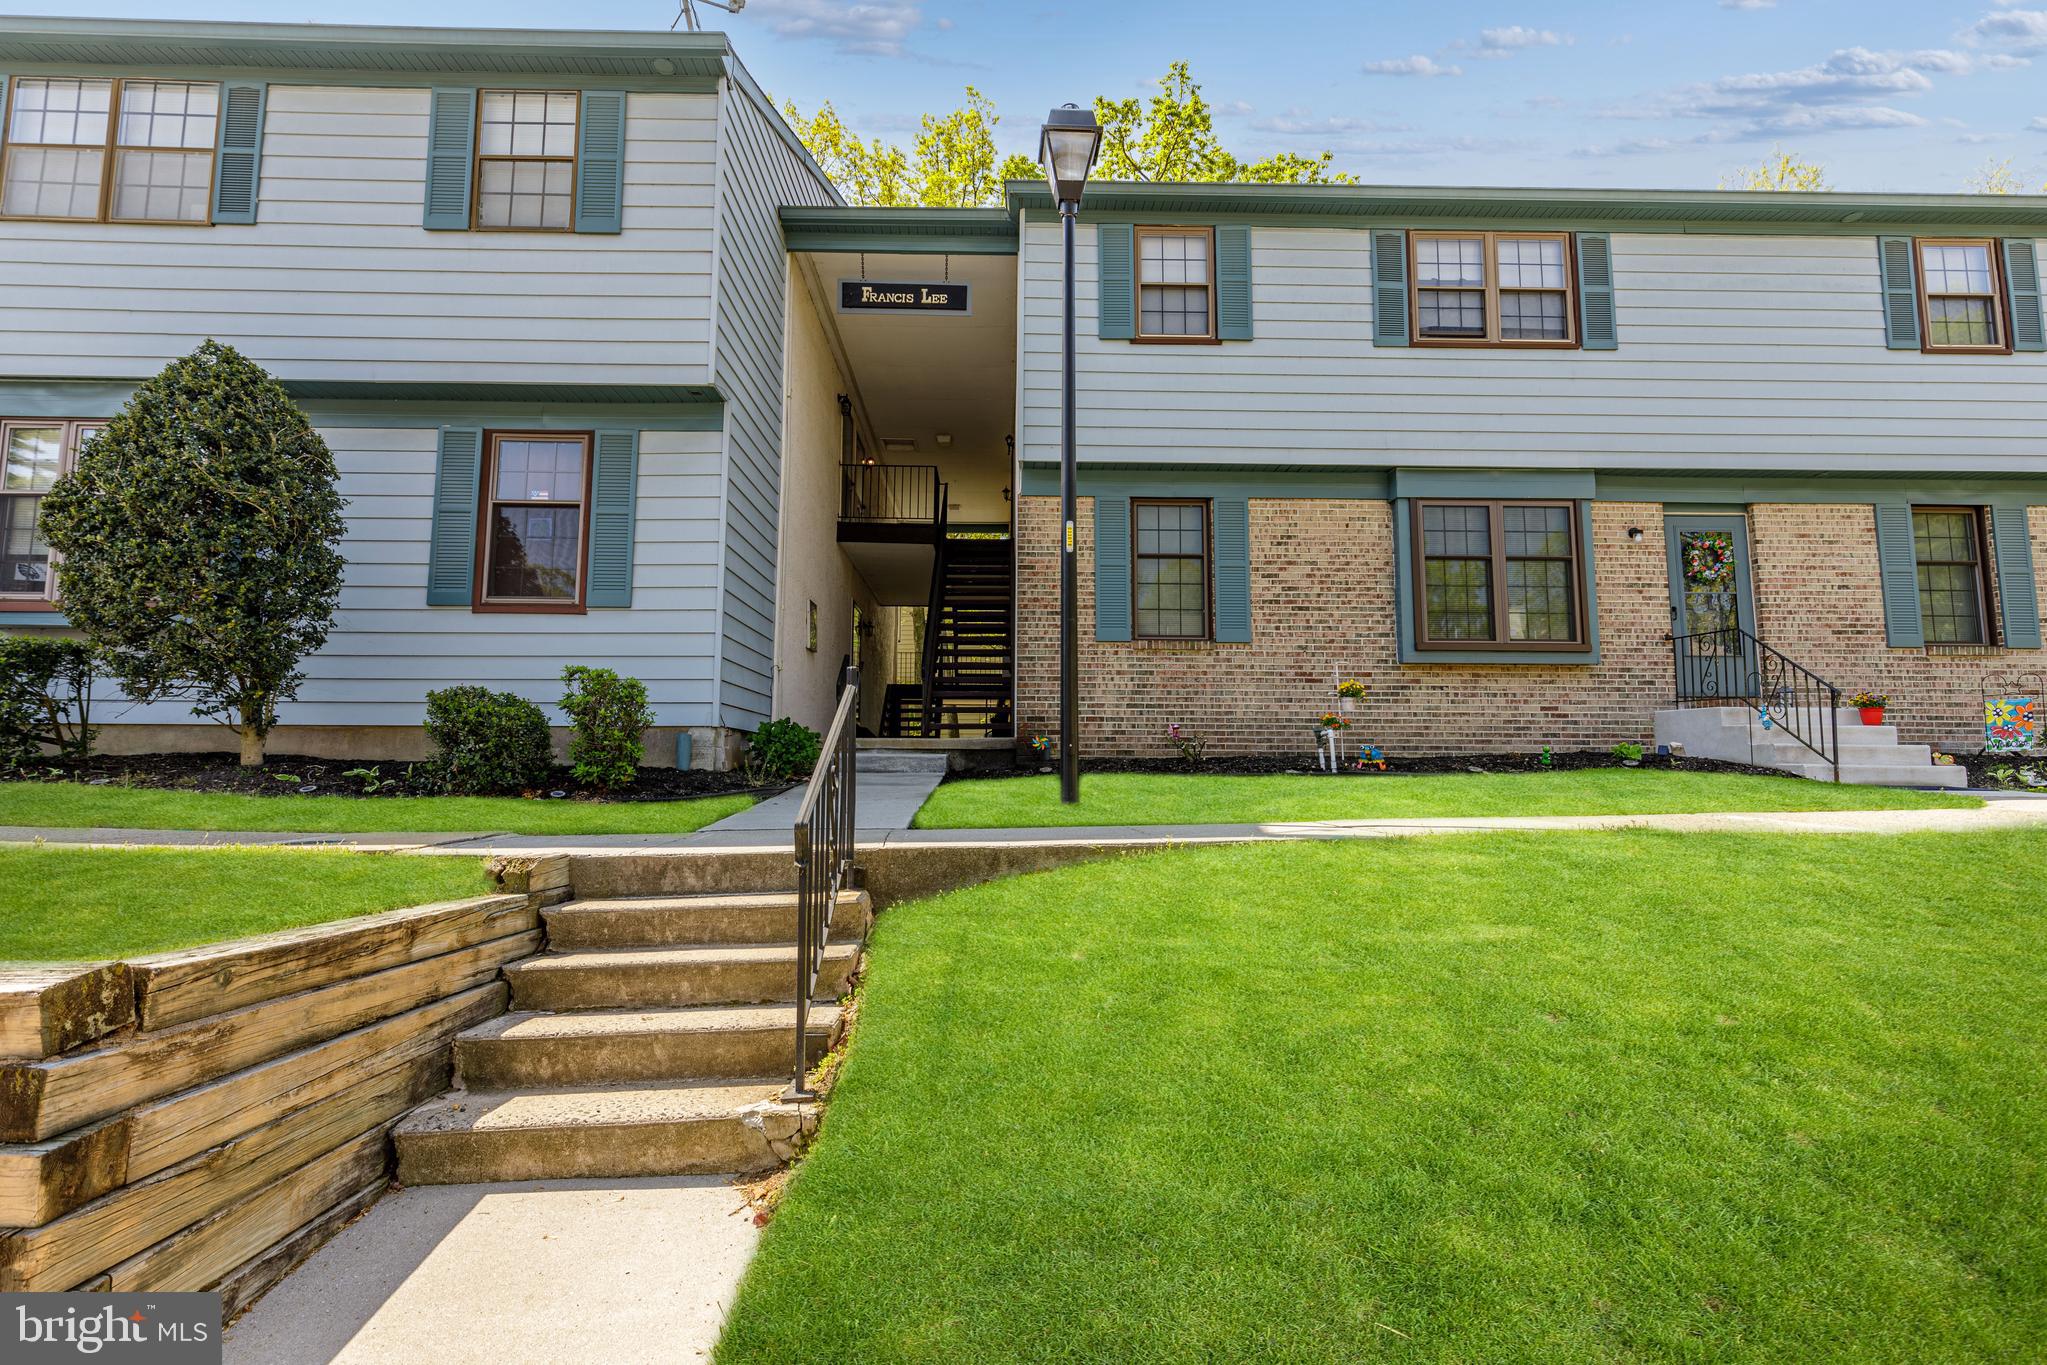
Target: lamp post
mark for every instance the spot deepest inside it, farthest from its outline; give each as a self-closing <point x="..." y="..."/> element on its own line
<point x="1066" y="149"/>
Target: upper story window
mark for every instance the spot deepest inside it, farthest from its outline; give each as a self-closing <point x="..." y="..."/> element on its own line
<point x="1493" y="289"/>
<point x="526" y="160"/>
<point x="106" y="150"/>
<point x="1960" y="296"/>
<point x="34" y="454"/>
<point x="533" y="531"/>
<point x="1175" y="284"/>
<point x="1501" y="575"/>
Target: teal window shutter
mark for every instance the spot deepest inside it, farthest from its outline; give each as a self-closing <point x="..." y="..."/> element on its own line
<point x="2022" y="281"/>
<point x="1899" y="572"/>
<point x="2018" y="596"/>
<point x="600" y="161"/>
<point x="239" y="150"/>
<point x="1901" y="294"/>
<point x="1233" y="283"/>
<point x="1596" y="314"/>
<point x="1116" y="284"/>
<point x="1112" y="567"/>
<point x="450" y="158"/>
<point x="1389" y="287"/>
<point x="614" y="498"/>
<point x="1233" y="571"/>
<point x="451" y="554"/>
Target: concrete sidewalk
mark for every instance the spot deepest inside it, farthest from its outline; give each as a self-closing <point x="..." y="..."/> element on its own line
<point x="553" y="1270"/>
<point x="2003" y="814"/>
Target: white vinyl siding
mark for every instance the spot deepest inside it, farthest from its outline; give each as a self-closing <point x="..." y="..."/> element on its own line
<point x="388" y="649"/>
<point x="1737" y="352"/>
<point x="337" y="280"/>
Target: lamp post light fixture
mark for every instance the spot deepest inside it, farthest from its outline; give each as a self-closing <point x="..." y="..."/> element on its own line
<point x="1066" y="149"/>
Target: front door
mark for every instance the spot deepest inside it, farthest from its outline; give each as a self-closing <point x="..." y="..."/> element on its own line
<point x="1709" y="599"/>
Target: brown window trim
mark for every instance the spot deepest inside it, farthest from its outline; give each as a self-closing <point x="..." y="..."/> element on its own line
<point x="1492" y="340"/>
<point x="1988" y="619"/>
<point x="479" y="602"/>
<point x="1207" y="566"/>
<point x="1580" y="642"/>
<point x="110" y="151"/>
<point x="1999" y="299"/>
<point x="1137" y="333"/>
<point x="72" y="433"/>
<point x="478" y="159"/>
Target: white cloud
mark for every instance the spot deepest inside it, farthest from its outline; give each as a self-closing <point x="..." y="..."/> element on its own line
<point x="870" y="29"/>
<point x="1300" y="123"/>
<point x="1748" y="4"/>
<point x="1853" y="88"/>
<point x="1411" y="66"/>
<point x="2038" y="125"/>
<point x="1515" y="38"/>
<point x="2020" y="30"/>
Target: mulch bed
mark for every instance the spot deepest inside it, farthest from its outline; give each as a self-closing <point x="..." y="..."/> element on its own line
<point x="1259" y="765"/>
<point x="297" y="775"/>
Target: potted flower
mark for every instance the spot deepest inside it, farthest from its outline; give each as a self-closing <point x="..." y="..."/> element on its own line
<point x="1349" y="693"/>
<point x="1871" y="705"/>
<point x="1328" y="721"/>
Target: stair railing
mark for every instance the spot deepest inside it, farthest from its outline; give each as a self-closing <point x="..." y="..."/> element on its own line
<point x="1729" y="664"/>
<point x="824" y="862"/>
<point x="927" y="723"/>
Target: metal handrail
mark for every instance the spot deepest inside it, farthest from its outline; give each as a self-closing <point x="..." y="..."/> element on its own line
<point x="908" y="493"/>
<point x="824" y="862"/>
<point x="927" y="720"/>
<point x="1729" y="664"/>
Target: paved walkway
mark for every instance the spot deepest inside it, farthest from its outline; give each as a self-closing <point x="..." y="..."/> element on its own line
<point x="554" y="1270"/>
<point x="2029" y="812"/>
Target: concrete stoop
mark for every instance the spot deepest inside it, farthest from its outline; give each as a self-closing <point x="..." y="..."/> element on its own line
<point x="1870" y="754"/>
<point x="654" y="1036"/>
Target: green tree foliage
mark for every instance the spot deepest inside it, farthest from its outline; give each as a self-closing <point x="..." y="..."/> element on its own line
<point x="199" y="538"/>
<point x="610" y="714"/>
<point x="952" y="163"/>
<point x="1996" y="177"/>
<point x="45" y="698"/>
<point x="1781" y="170"/>
<point x="1171" y="138"/>
<point x="486" y="743"/>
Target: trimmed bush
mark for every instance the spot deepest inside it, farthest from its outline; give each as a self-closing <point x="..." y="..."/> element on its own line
<point x="486" y="743"/>
<point x="783" y="749"/>
<point x="45" y="698"/>
<point x="610" y="714"/>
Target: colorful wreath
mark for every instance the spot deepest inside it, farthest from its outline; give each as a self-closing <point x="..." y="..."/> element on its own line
<point x="1709" y="562"/>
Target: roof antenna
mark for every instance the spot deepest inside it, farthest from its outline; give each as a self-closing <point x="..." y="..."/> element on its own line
<point x="688" y="12"/>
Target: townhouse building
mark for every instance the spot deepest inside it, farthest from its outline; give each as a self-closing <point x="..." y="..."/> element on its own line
<point x="1534" y="465"/>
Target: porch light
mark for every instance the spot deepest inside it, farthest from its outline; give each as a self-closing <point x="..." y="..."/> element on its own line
<point x="1066" y="149"/>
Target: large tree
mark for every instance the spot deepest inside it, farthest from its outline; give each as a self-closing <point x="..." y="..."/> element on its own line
<point x="1781" y="170"/>
<point x="199" y="537"/>
<point x="953" y="162"/>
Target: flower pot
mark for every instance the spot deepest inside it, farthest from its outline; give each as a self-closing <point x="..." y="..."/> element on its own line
<point x="1872" y="715"/>
<point x="1347" y="705"/>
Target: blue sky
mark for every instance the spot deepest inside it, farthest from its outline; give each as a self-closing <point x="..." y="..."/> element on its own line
<point x="1888" y="95"/>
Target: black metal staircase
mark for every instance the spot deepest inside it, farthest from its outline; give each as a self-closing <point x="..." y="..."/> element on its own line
<point x="970" y="640"/>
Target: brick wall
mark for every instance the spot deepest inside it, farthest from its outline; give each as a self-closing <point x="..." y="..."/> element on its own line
<point x="1322" y="604"/>
<point x="1817" y="599"/>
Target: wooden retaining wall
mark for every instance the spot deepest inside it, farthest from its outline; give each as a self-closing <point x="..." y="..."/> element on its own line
<point x="204" y="1119"/>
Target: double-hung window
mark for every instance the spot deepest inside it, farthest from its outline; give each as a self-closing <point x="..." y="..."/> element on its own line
<point x="1499" y="575"/>
<point x="534" y="528"/>
<point x="1948" y="553"/>
<point x="1961" y="296"/>
<point x="106" y="150"/>
<point x="1175" y="284"/>
<point x="526" y="160"/>
<point x="34" y="454"/>
<point x="1170" y="578"/>
<point x="1493" y="289"/>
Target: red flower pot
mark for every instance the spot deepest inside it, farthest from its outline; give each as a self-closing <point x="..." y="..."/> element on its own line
<point x="1872" y="715"/>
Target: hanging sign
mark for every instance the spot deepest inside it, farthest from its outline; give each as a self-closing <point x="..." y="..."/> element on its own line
<point x="872" y="296"/>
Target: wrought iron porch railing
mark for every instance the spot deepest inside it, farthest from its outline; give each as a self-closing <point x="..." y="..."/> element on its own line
<point x="824" y="862"/>
<point x="908" y="493"/>
<point x="1731" y="665"/>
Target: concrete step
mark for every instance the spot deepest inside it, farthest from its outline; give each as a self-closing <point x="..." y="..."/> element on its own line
<point x="1882" y="755"/>
<point x="656" y="921"/>
<point x="660" y="1128"/>
<point x="517" y="1051"/>
<point x="668" y="978"/>
<point x="900" y="761"/>
<point x="1885" y="774"/>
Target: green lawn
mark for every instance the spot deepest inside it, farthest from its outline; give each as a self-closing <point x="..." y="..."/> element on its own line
<point x="71" y="904"/>
<point x="71" y="805"/>
<point x="1161" y="799"/>
<point x="1521" y="1097"/>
